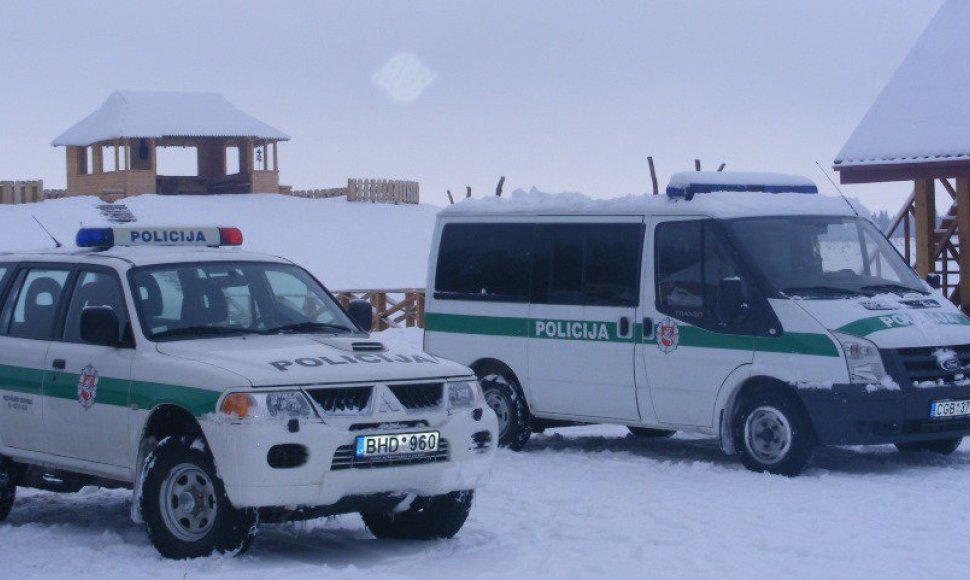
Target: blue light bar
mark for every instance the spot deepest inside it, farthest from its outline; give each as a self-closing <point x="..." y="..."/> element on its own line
<point x="95" y="238"/>
<point x="686" y="184"/>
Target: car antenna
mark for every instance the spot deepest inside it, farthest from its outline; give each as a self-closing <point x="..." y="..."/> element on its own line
<point x="844" y="198"/>
<point x="46" y="231"/>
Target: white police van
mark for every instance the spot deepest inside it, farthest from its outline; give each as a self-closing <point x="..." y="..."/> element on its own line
<point x="224" y="387"/>
<point x="745" y="306"/>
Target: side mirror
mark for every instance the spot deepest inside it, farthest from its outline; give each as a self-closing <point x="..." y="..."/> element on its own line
<point x="99" y="325"/>
<point x="731" y="305"/>
<point x="362" y="313"/>
<point x="934" y="281"/>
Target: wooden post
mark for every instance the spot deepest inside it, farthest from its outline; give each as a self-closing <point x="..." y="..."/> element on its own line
<point x="925" y="202"/>
<point x="451" y="199"/>
<point x="653" y="175"/>
<point x="963" y="230"/>
<point x="697" y="165"/>
<point x="468" y="191"/>
<point x="420" y="308"/>
<point x="117" y="158"/>
<point x="379" y="300"/>
<point x="276" y="156"/>
<point x="721" y="168"/>
<point x="498" y="188"/>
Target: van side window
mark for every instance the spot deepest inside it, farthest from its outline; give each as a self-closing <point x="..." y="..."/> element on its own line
<point x="30" y="311"/>
<point x="94" y="289"/>
<point x="692" y="259"/>
<point x="484" y="261"/>
<point x="588" y="264"/>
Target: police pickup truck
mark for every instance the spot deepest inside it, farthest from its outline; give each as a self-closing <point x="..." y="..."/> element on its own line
<point x="224" y="388"/>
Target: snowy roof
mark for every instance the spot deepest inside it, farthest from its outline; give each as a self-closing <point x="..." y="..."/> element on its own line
<point x="723" y="204"/>
<point x="152" y="114"/>
<point x="922" y="115"/>
<point x="691" y="182"/>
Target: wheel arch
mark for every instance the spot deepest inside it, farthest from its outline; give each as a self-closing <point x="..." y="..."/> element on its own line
<point x="745" y="386"/>
<point x="482" y="364"/>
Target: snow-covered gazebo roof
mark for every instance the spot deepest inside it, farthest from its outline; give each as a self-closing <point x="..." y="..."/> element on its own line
<point x="157" y="115"/>
<point x="919" y="126"/>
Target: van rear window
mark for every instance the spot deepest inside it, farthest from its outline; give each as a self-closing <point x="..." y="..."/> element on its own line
<point x="484" y="261"/>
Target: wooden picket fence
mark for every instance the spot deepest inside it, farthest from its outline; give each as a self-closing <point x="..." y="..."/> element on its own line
<point x="394" y="308"/>
<point x="383" y="191"/>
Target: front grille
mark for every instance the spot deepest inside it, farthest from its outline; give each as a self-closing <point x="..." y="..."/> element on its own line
<point x="419" y="397"/>
<point x="342" y="400"/>
<point x="394" y="425"/>
<point x="922" y="366"/>
<point x="345" y="458"/>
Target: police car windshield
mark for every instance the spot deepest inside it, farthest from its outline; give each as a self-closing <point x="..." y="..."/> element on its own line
<point x="205" y="300"/>
<point x="823" y="257"/>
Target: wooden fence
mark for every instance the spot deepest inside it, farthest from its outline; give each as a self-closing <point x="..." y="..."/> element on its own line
<point x="367" y="190"/>
<point x="396" y="308"/>
<point x="382" y="191"/>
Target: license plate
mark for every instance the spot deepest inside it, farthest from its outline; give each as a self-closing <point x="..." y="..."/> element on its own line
<point x="946" y="409"/>
<point x="397" y="444"/>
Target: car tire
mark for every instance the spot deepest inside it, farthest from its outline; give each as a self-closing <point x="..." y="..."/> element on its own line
<point x="427" y="518"/>
<point x="648" y="433"/>
<point x="185" y="507"/>
<point x="940" y="446"/>
<point x="773" y="434"/>
<point x="8" y="488"/>
<point x="504" y="395"/>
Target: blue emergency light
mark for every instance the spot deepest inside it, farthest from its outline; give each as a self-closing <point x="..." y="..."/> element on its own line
<point x="686" y="184"/>
<point x="210" y="237"/>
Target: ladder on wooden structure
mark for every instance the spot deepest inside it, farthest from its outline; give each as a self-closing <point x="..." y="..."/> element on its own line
<point x="946" y="242"/>
<point x="117" y="213"/>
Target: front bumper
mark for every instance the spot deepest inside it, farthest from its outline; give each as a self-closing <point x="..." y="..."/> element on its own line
<point x="241" y="451"/>
<point x="853" y="415"/>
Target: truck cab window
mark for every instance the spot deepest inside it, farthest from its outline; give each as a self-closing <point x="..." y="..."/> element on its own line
<point x="31" y="310"/>
<point x="94" y="289"/>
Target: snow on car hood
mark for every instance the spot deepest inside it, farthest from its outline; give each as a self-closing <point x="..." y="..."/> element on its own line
<point x="893" y="321"/>
<point x="312" y="359"/>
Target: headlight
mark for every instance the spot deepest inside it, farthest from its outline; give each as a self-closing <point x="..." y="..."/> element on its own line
<point x="863" y="359"/>
<point x="463" y="394"/>
<point x="282" y="405"/>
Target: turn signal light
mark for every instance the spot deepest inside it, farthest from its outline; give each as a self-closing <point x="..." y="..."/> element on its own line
<point x="238" y="405"/>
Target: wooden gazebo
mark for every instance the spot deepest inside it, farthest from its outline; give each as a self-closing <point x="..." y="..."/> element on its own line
<point x="112" y="152"/>
<point x="918" y="130"/>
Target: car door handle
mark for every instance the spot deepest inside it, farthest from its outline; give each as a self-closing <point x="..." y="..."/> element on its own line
<point x="59" y="364"/>
<point x="624" y="329"/>
<point x="647" y="327"/>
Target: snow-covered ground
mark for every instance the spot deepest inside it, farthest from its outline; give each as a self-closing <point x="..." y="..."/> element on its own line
<point x="346" y="245"/>
<point x="585" y="502"/>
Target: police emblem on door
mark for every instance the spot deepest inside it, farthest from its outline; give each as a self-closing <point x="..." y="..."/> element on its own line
<point x="668" y="335"/>
<point x="87" y="386"/>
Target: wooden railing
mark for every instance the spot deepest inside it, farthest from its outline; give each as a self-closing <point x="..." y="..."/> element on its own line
<point x="946" y="247"/>
<point x="395" y="308"/>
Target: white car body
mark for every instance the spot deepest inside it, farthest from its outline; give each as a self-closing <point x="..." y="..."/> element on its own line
<point x="45" y="420"/>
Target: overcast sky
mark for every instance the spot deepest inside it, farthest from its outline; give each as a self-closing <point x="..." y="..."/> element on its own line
<point x="558" y="95"/>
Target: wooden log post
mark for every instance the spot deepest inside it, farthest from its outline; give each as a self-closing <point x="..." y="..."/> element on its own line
<point x="925" y="205"/>
<point x="379" y="300"/>
<point x="451" y="200"/>
<point x="498" y="188"/>
<point x="963" y="231"/>
<point x="653" y="176"/>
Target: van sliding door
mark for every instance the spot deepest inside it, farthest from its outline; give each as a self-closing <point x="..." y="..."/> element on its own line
<point x="585" y="295"/>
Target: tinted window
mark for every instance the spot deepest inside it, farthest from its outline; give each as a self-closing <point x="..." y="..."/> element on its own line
<point x="692" y="258"/>
<point x="588" y="264"/>
<point x="31" y="310"/>
<point x="484" y="262"/>
<point x="94" y="289"/>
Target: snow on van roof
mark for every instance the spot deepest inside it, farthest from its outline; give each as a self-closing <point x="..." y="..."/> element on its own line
<point x="723" y="204"/>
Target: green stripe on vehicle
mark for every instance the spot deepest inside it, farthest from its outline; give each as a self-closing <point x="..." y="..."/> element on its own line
<point x="111" y="391"/>
<point x="866" y="326"/>
<point x="599" y="331"/>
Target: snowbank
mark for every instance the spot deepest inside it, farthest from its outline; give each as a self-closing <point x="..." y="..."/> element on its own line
<point x="346" y="245"/>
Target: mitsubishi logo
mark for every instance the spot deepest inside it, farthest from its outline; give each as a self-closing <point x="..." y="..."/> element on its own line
<point x="388" y="403"/>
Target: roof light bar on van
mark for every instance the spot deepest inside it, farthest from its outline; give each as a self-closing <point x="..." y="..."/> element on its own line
<point x="210" y="237"/>
<point x="686" y="184"/>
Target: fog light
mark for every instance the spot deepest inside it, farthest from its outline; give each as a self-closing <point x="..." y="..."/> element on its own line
<point x="477" y="414"/>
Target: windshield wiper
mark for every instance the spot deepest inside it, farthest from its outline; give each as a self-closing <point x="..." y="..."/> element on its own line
<point x="829" y="290"/>
<point x="308" y="327"/>
<point x="203" y="331"/>
<point x="894" y="288"/>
